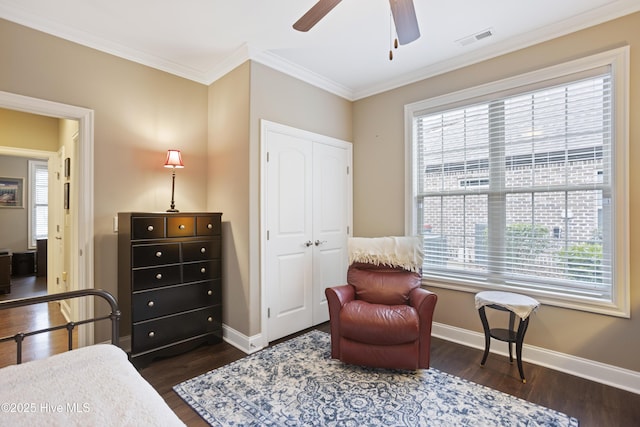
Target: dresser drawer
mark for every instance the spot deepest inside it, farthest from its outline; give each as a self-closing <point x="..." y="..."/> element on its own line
<point x="168" y="330"/>
<point x="209" y="225"/>
<point x="200" y="251"/>
<point x="148" y="255"/>
<point x="174" y="299"/>
<point x="154" y="277"/>
<point x="147" y="228"/>
<point x="181" y="226"/>
<point x="204" y="270"/>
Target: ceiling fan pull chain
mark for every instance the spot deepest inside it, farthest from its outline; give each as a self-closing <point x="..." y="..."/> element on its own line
<point x="391" y="37"/>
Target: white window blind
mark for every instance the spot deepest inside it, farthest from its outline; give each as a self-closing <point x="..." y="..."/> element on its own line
<point x="39" y="186"/>
<point x="542" y="220"/>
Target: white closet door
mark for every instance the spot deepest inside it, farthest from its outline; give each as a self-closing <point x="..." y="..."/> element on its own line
<point x="289" y="246"/>
<point x="307" y="214"/>
<point x="330" y="223"/>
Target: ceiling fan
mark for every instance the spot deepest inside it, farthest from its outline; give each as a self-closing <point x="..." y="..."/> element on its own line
<point x="404" y="18"/>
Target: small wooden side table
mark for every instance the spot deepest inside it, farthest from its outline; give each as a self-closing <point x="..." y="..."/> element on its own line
<point x="516" y="305"/>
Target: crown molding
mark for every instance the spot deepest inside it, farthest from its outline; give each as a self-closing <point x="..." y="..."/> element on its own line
<point x="103" y="45"/>
<point x="278" y="63"/>
<point x="593" y="17"/>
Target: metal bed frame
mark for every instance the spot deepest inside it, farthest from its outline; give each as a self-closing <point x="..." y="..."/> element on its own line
<point x="114" y="316"/>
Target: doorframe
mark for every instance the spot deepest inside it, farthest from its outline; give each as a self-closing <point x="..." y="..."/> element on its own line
<point x="81" y="241"/>
<point x="267" y="126"/>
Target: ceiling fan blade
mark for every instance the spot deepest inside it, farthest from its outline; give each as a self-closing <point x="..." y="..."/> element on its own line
<point x="315" y="14"/>
<point x="404" y="17"/>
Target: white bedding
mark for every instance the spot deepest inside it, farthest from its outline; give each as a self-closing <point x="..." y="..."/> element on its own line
<point x="90" y="386"/>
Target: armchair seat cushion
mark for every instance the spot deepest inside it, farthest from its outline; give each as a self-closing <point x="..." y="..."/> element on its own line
<point x="379" y="324"/>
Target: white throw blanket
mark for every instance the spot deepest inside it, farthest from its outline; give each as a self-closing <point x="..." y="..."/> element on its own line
<point x="521" y="305"/>
<point x="405" y="252"/>
<point x="90" y="386"/>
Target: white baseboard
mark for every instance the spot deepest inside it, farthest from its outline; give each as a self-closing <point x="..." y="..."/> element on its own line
<point x="241" y="341"/>
<point x="614" y="376"/>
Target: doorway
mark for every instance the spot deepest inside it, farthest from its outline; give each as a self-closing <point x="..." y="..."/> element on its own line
<point x="81" y="213"/>
<point x="25" y="225"/>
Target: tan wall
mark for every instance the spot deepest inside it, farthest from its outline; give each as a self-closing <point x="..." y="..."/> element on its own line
<point x="23" y="130"/>
<point x="379" y="169"/>
<point x="228" y="190"/>
<point x="139" y="114"/>
<point x="237" y="103"/>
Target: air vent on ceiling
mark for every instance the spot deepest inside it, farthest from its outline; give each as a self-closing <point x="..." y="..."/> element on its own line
<point x="465" y="41"/>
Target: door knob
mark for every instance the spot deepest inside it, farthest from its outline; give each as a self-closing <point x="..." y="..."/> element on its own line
<point x="318" y="242"/>
<point x="308" y="243"/>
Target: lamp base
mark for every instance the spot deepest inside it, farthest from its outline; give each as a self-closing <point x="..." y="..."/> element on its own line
<point x="173" y="210"/>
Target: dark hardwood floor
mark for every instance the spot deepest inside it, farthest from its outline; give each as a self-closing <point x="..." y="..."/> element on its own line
<point x="594" y="404"/>
<point x="38" y="316"/>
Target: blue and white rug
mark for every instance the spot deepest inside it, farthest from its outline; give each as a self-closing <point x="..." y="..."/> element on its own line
<point x="296" y="383"/>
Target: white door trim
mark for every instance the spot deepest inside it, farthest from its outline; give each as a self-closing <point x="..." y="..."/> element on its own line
<point x="82" y="229"/>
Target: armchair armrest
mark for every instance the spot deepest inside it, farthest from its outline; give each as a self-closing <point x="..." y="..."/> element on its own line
<point x="342" y="294"/>
<point x="337" y="296"/>
<point x="425" y="303"/>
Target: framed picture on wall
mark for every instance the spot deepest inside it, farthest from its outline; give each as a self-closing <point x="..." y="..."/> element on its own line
<point x="66" y="195"/>
<point x="11" y="192"/>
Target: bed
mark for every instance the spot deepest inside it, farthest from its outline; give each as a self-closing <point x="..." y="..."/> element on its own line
<point x="89" y="386"/>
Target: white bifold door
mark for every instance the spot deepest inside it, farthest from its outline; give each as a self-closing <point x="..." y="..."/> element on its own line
<point x="307" y="197"/>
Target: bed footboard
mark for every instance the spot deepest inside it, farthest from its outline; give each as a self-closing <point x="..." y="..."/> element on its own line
<point x="114" y="316"/>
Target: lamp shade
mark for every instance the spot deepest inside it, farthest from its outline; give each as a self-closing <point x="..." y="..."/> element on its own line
<point x="174" y="159"/>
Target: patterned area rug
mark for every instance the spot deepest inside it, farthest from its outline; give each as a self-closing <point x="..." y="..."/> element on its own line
<point x="295" y="383"/>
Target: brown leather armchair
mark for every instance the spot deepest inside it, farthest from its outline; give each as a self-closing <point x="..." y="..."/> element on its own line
<point x="381" y="318"/>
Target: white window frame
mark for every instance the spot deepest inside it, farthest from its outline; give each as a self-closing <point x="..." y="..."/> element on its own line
<point x="618" y="60"/>
<point x="33" y="165"/>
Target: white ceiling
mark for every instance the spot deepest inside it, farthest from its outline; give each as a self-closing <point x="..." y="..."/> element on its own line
<point x="346" y="53"/>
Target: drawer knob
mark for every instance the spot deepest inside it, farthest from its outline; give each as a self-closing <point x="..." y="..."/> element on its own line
<point x="152" y="334"/>
<point x="158" y="254"/>
<point x="150" y="228"/>
<point x="209" y="226"/>
<point x="209" y="319"/>
<point x="203" y="270"/>
<point x="150" y="303"/>
<point x="181" y="226"/>
<point x="159" y="276"/>
<point x="203" y="250"/>
<point x="209" y="292"/>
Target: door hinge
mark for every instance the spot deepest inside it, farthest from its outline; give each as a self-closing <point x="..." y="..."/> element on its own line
<point x="348" y="230"/>
<point x="347" y="170"/>
<point x="267" y="157"/>
<point x="267" y="234"/>
<point x="268" y="313"/>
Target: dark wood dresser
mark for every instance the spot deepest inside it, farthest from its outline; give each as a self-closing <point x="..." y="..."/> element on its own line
<point x="169" y="282"/>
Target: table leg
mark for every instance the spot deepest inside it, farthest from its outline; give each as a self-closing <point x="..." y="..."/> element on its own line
<point x="522" y="329"/>
<point x="512" y="322"/>
<point x="487" y="334"/>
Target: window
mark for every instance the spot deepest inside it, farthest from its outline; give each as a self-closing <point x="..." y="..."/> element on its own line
<point x="38" y="201"/>
<point x="520" y="185"/>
